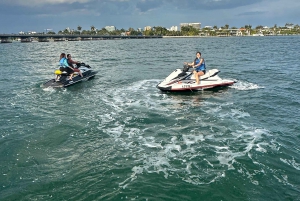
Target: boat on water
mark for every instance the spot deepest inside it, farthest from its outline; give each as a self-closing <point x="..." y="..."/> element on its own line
<point x="62" y="77"/>
<point x="259" y="34"/>
<point x="184" y="80"/>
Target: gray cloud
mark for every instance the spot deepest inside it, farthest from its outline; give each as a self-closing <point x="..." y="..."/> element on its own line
<point x="144" y="6"/>
<point x="252" y="13"/>
<point x="50" y="9"/>
<point x="139" y="13"/>
<point x="212" y="4"/>
<point x="113" y="6"/>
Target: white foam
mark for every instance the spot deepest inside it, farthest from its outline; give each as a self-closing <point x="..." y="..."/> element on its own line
<point x="292" y="163"/>
<point x="133" y="132"/>
<point x="208" y="162"/>
<point x="49" y="89"/>
<point x="284" y="179"/>
<point x="150" y="142"/>
<point x="115" y="132"/>
<point x="192" y="139"/>
<point x="261" y="149"/>
<point x="241" y="85"/>
<point x="183" y="155"/>
<point x="239" y="114"/>
<point x="153" y="145"/>
<point x="172" y="147"/>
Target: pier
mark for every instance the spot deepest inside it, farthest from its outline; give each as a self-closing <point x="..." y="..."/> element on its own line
<point x="8" y="38"/>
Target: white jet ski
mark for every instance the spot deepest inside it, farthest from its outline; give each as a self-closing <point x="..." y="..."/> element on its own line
<point x="184" y="80"/>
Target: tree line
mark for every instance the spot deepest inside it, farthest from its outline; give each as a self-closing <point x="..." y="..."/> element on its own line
<point x="289" y="28"/>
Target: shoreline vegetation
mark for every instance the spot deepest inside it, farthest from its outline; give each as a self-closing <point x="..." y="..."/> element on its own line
<point x="247" y="30"/>
<point x="151" y="32"/>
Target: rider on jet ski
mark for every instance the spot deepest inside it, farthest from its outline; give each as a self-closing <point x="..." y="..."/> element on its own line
<point x="199" y="65"/>
<point x="71" y="62"/>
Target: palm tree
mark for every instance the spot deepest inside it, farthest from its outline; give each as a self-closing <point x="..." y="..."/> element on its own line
<point x="66" y="31"/>
<point x="93" y="29"/>
<point x="79" y="28"/>
<point x="248" y="28"/>
<point x="131" y="29"/>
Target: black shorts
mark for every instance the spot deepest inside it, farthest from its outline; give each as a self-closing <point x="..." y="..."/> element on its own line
<point x="67" y="69"/>
<point x="204" y="71"/>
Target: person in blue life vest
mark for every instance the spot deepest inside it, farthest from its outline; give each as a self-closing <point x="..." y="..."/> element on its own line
<point x="199" y="65"/>
<point x="64" y="66"/>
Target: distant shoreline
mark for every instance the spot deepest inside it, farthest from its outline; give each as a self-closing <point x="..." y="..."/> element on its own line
<point x="225" y="36"/>
<point x="61" y="38"/>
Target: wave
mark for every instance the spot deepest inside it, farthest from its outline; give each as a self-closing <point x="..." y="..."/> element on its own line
<point x="243" y="86"/>
<point x="165" y="136"/>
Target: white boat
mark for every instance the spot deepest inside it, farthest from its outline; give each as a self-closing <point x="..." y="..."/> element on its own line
<point x="259" y="34"/>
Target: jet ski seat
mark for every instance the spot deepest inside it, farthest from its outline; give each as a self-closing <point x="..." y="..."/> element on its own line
<point x="209" y="73"/>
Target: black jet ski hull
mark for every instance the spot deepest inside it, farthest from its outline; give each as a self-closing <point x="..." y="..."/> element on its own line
<point x="65" y="82"/>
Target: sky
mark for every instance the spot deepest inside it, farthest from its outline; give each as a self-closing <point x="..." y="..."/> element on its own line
<point x="39" y="15"/>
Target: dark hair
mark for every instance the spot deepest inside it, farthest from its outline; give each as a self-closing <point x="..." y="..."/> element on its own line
<point x="199" y="53"/>
<point x="68" y="55"/>
<point x="62" y="55"/>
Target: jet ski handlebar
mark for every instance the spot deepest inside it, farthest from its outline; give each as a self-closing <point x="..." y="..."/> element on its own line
<point x="186" y="68"/>
<point x="82" y="64"/>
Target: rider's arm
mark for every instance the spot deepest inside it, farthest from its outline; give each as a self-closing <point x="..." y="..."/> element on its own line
<point x="199" y="64"/>
<point x="189" y="64"/>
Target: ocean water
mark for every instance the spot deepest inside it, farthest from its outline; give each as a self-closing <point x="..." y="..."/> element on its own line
<point x="117" y="137"/>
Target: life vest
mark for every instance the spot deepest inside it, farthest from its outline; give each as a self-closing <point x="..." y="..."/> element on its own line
<point x="63" y="62"/>
<point x="202" y="67"/>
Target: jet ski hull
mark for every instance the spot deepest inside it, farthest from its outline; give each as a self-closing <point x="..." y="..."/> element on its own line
<point x="64" y="80"/>
<point x="179" y="80"/>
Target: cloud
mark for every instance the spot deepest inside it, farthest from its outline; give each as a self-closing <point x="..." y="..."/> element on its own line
<point x="119" y="6"/>
<point x="212" y="4"/>
<point x="252" y="13"/>
<point x="19" y="10"/>
<point x="59" y="14"/>
<point x="145" y="6"/>
<point x="34" y="3"/>
<point x="65" y="7"/>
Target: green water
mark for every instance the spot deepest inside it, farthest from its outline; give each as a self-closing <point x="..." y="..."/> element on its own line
<point x="117" y="137"/>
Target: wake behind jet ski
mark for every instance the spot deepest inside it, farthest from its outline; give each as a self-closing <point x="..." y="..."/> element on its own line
<point x="62" y="77"/>
<point x="184" y="80"/>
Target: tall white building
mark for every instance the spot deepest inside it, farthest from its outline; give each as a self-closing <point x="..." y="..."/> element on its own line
<point x="196" y="25"/>
<point x="174" y="28"/>
<point x="147" y="28"/>
<point x="110" y="28"/>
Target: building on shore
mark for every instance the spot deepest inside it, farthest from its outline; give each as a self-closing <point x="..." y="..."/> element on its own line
<point x="110" y="28"/>
<point x="209" y="27"/>
<point x="196" y="25"/>
<point x="173" y="28"/>
<point x="147" y="28"/>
